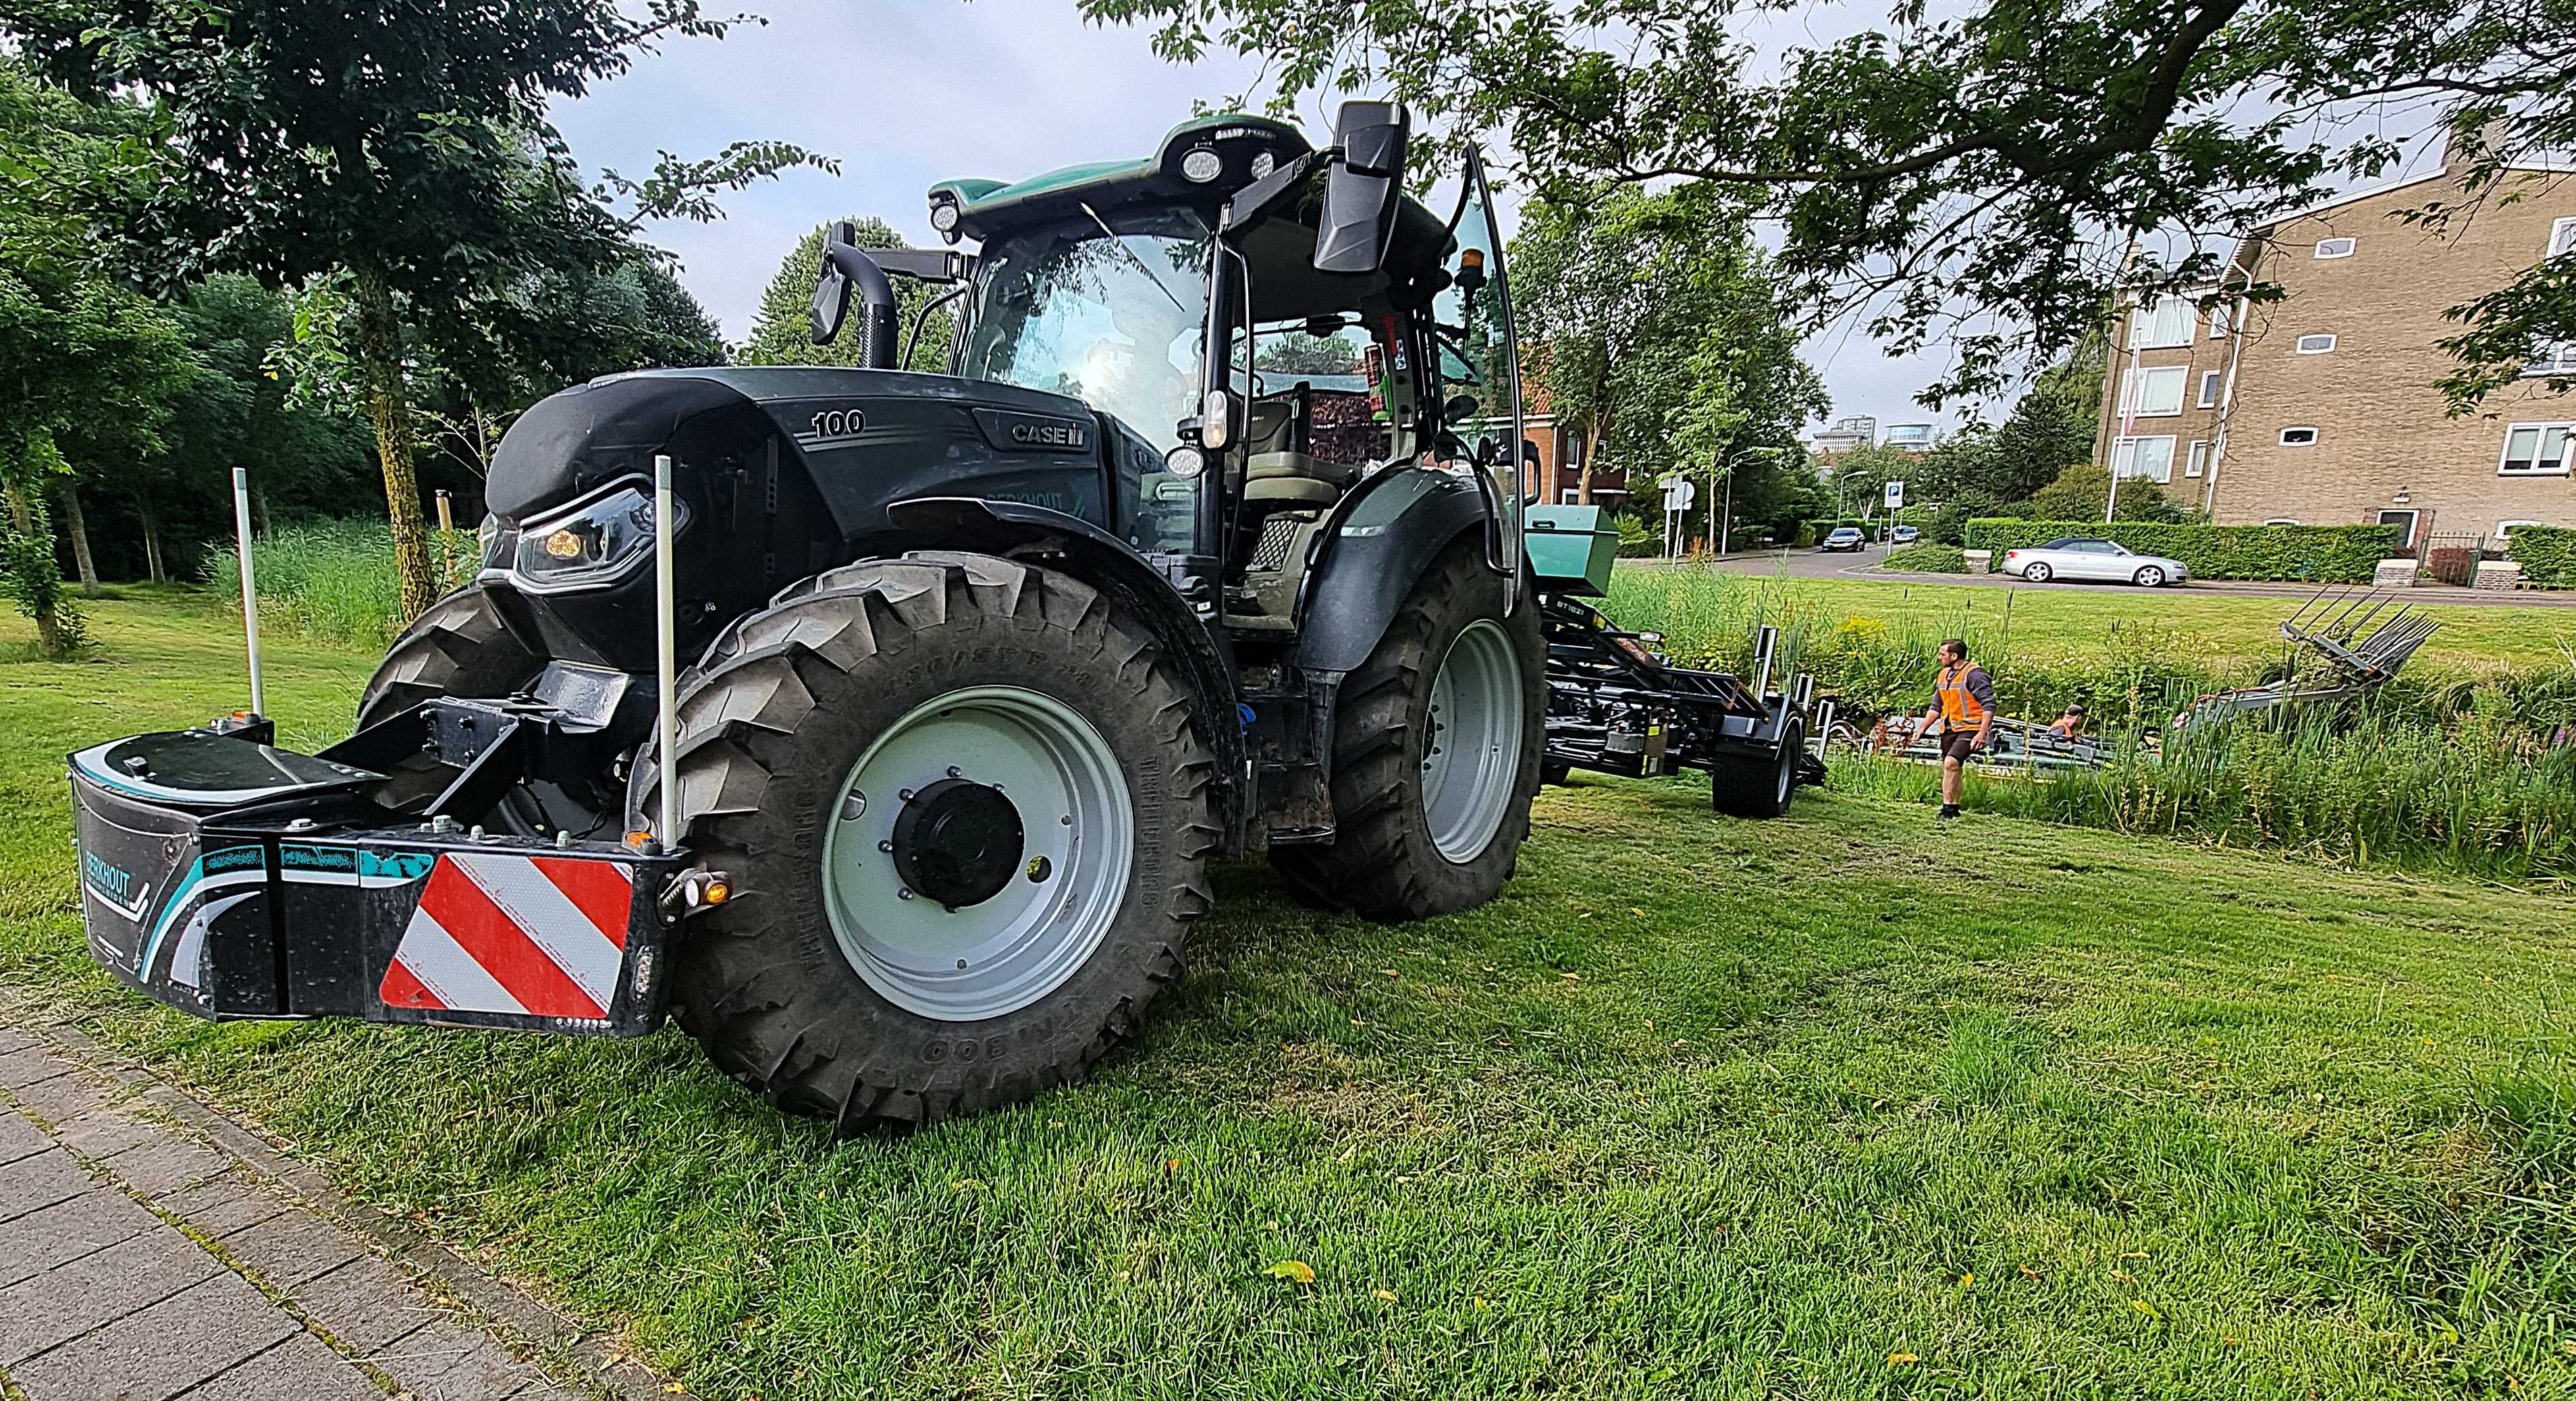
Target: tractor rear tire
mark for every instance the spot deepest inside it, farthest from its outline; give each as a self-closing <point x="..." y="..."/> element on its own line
<point x="456" y="647"/>
<point x="792" y="729"/>
<point x="1748" y="785"/>
<point x="1386" y="860"/>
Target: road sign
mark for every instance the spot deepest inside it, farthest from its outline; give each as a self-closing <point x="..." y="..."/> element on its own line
<point x="1895" y="495"/>
<point x="1679" y="494"/>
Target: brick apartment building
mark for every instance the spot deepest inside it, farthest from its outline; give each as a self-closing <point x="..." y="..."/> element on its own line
<point x="2320" y="408"/>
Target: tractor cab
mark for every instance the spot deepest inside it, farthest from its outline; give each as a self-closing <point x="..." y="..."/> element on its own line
<point x="1266" y="329"/>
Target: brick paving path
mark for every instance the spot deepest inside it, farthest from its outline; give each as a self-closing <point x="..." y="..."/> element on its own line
<point x="150" y="1250"/>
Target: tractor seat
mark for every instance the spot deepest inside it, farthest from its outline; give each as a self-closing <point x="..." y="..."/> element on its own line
<point x="1287" y="479"/>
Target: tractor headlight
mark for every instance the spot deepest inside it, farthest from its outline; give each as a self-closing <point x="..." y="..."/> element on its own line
<point x="590" y="544"/>
<point x="1202" y="165"/>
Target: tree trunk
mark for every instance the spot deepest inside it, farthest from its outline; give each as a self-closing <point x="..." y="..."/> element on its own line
<point x="389" y="410"/>
<point x="49" y="622"/>
<point x="79" y="528"/>
<point x="151" y="539"/>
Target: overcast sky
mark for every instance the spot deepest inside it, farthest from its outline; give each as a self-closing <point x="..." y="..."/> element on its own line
<point x="906" y="94"/>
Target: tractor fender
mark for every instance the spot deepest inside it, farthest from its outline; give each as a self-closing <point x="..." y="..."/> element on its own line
<point x="1375" y="551"/>
<point x="1109" y="564"/>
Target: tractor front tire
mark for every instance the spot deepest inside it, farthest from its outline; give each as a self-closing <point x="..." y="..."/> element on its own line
<point x="456" y="647"/>
<point x="1749" y="785"/>
<point x="834" y="745"/>
<point x="1431" y="808"/>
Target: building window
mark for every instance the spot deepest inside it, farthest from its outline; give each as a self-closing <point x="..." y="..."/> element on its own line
<point x="2552" y="358"/>
<point x="2196" y="462"/>
<point x="2151" y="458"/>
<point x="1569" y="496"/>
<point x="2334" y="247"/>
<point x="2161" y="324"/>
<point x="2209" y="383"/>
<point x="2406" y="519"/>
<point x="2222" y="319"/>
<point x="2535" y="450"/>
<point x="2562" y="237"/>
<point x="2319" y="344"/>
<point x="2153" y="393"/>
<point x="2280" y="520"/>
<point x="2298" y="437"/>
<point x="2505" y="529"/>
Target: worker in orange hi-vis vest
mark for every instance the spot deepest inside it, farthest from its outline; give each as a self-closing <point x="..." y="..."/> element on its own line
<point x="1963" y="704"/>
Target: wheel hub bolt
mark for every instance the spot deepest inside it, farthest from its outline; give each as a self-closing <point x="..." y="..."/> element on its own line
<point x="854" y="806"/>
<point x="903" y="892"/>
<point x="955" y="772"/>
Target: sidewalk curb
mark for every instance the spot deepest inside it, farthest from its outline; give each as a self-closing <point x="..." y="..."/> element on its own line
<point x="441" y="1271"/>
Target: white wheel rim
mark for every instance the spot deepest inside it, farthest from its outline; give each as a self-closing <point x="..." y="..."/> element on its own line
<point x="1471" y="742"/>
<point x="1006" y="952"/>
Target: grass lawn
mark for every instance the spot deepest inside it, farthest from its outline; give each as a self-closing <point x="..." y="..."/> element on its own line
<point x="2218" y="629"/>
<point x="1838" y="1106"/>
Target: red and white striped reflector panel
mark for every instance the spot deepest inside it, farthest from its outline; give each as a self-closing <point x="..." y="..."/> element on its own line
<point x="537" y="935"/>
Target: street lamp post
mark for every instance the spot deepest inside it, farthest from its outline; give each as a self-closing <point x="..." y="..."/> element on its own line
<point x="1721" y="519"/>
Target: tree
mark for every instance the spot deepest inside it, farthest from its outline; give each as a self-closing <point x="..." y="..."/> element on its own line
<point x="1987" y="469"/>
<point x="89" y="367"/>
<point x="1298" y="353"/>
<point x="402" y="148"/>
<point x="1992" y="173"/>
<point x="1659" y="335"/>
<point x="1589" y="306"/>
<point x="780" y="331"/>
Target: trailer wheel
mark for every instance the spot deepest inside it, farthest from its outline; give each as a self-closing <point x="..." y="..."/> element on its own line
<point x="1751" y="785"/>
<point x="1435" y="753"/>
<point x="965" y="813"/>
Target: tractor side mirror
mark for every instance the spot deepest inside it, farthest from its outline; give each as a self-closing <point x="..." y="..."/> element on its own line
<point x="831" y="289"/>
<point x="1363" y="186"/>
<point x="1459" y="409"/>
<point x="1531" y="473"/>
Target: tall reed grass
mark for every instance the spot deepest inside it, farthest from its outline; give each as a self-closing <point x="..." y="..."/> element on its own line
<point x="2470" y="774"/>
<point x="2370" y="790"/>
<point x="335" y="579"/>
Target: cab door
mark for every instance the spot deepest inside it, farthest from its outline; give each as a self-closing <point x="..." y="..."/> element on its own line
<point x="1479" y="355"/>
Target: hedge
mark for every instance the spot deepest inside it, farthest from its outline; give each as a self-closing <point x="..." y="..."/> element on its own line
<point x="2547" y="554"/>
<point x="1926" y="559"/>
<point x="2316" y="554"/>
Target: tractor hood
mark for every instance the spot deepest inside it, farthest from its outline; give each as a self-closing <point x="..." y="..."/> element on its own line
<point x="863" y="439"/>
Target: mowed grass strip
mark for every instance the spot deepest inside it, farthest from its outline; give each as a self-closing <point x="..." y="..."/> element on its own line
<point x="1839" y="1106"/>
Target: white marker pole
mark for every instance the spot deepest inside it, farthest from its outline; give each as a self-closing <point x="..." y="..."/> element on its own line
<point x="250" y="587"/>
<point x="669" y="674"/>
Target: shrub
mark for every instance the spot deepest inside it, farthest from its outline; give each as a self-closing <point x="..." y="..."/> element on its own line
<point x="335" y="579"/>
<point x="2081" y="490"/>
<point x="2547" y="554"/>
<point x="2317" y="554"/>
<point x="1927" y="559"/>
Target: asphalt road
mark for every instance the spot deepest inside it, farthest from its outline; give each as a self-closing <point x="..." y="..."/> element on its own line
<point x="1816" y="564"/>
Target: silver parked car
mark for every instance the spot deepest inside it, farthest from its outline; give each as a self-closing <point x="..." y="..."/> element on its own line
<point x="2080" y="557"/>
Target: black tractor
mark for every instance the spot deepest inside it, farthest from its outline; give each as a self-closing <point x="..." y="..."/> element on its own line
<point x="979" y="671"/>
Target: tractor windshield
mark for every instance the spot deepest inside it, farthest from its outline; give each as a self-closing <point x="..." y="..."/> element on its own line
<point x="1110" y="315"/>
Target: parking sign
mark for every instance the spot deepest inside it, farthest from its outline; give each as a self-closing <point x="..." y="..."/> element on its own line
<point x="1895" y="495"/>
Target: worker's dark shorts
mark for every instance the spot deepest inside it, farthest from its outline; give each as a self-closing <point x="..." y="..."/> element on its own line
<point x="1959" y="745"/>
